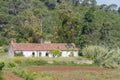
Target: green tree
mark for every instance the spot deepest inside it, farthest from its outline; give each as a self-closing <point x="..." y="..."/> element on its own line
<point x="55" y="52"/>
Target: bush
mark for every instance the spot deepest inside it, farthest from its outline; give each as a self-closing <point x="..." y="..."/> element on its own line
<point x="33" y="61"/>
<point x="55" y="53"/>
<point x="18" y="60"/>
<point x="1" y="65"/>
<point x="109" y="58"/>
<point x="11" y="65"/>
<point x="29" y="61"/>
<point x="94" y="51"/>
<point x="23" y="73"/>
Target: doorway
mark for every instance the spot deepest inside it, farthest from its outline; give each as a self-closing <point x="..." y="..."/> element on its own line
<point x="40" y="54"/>
<point x="47" y="54"/>
<point x="33" y="54"/>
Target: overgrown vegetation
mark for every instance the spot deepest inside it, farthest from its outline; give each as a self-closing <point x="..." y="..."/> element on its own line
<point x="82" y="23"/>
<point x="18" y="66"/>
<point x="1" y="65"/>
<point x="48" y="62"/>
<point x="29" y="61"/>
<point x="1" y="68"/>
<point x="103" y="56"/>
<point x="1" y="76"/>
<point x="55" y="53"/>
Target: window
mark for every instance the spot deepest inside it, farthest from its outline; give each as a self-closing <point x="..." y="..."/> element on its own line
<point x="80" y="54"/>
<point x="47" y="54"/>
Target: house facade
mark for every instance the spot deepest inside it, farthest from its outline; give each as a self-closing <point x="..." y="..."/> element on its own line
<point x="42" y="49"/>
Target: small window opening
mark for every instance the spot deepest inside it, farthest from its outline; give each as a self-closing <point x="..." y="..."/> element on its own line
<point x="33" y="54"/>
<point x="47" y="54"/>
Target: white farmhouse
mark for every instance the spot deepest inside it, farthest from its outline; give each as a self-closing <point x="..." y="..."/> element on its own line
<point x="42" y="49"/>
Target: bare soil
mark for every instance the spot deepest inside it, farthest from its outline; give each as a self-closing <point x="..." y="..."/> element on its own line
<point x="67" y="68"/>
<point x="10" y="76"/>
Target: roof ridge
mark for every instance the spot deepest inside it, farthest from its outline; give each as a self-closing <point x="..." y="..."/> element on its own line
<point x="39" y="46"/>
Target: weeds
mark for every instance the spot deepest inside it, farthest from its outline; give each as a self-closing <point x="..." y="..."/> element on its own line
<point x="1" y="75"/>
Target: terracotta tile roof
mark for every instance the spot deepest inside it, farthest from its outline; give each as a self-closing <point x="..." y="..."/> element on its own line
<point x="38" y="46"/>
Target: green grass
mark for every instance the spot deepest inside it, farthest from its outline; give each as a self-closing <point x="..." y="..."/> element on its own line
<point x="49" y="61"/>
<point x="1" y="75"/>
<point x="63" y="58"/>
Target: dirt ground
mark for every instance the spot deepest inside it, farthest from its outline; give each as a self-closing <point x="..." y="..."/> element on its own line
<point x="79" y="73"/>
<point x="71" y="73"/>
<point x="67" y="68"/>
<point x="10" y="76"/>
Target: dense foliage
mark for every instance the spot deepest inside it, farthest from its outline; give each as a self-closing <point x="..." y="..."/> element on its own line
<point x="103" y="56"/>
<point x="82" y="23"/>
<point x="1" y="65"/>
<point x="55" y="53"/>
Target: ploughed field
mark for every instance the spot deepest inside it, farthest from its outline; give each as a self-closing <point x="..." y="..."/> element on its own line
<point x="78" y="73"/>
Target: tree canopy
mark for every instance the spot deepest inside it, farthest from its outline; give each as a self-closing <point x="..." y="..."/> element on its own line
<point x="82" y="22"/>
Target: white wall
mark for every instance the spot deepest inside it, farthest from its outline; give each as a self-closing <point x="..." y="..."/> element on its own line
<point x="68" y="53"/>
<point x="29" y="53"/>
<point x="43" y="53"/>
<point x="64" y="54"/>
<point x="76" y="53"/>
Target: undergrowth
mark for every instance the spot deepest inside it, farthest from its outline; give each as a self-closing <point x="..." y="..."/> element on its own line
<point x="103" y="56"/>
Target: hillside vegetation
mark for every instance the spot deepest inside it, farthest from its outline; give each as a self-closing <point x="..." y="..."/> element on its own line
<point x="82" y="23"/>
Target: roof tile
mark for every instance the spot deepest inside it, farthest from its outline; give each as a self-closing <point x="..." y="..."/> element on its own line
<point x="40" y="46"/>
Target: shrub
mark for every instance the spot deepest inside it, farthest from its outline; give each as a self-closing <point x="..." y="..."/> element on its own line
<point x="33" y="61"/>
<point x="22" y="73"/>
<point x="18" y="60"/>
<point x="55" y="52"/>
<point x="1" y="65"/>
<point x="29" y="61"/>
<point x="11" y="64"/>
<point x="109" y="58"/>
<point x="94" y="51"/>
